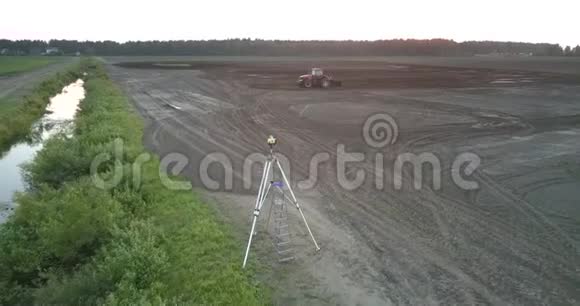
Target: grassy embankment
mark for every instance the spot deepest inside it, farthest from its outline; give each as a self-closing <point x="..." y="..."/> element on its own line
<point x="17" y="114"/>
<point x="70" y="242"/>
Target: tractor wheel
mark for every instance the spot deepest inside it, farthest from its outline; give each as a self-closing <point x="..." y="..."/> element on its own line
<point x="307" y="84"/>
<point x="325" y="83"/>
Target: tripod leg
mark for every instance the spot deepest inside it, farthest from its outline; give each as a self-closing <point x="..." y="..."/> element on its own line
<point x="296" y="203"/>
<point x="286" y="181"/>
<point x="269" y="215"/>
<point x="274" y="179"/>
<point x="264" y="195"/>
<point x="250" y="240"/>
<point x="264" y="183"/>
<point x="265" y="172"/>
<point x="307" y="227"/>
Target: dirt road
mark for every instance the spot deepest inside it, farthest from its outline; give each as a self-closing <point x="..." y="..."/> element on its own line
<point x="513" y="240"/>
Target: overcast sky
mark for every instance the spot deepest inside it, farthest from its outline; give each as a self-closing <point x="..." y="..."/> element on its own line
<point x="555" y="21"/>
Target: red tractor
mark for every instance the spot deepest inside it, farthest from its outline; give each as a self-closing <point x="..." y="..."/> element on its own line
<point x="317" y="78"/>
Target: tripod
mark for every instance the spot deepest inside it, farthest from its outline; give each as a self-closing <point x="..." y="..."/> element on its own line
<point x="265" y="186"/>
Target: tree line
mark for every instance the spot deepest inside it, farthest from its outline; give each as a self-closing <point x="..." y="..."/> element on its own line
<point x="436" y="47"/>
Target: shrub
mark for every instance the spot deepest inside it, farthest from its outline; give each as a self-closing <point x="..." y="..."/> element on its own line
<point x="72" y="243"/>
<point x="55" y="230"/>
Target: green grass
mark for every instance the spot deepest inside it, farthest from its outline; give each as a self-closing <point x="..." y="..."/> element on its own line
<point x="8" y="104"/>
<point x="17" y="64"/>
<point x="70" y="242"/>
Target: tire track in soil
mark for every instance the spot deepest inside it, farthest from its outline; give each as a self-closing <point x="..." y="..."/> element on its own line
<point x="369" y="216"/>
<point x="408" y="247"/>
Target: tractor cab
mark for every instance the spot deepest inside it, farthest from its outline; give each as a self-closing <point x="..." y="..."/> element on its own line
<point x="317" y="73"/>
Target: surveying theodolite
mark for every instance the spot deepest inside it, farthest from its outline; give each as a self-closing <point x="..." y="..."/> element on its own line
<point x="266" y="184"/>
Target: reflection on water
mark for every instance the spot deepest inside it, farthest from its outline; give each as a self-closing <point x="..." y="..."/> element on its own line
<point x="58" y="119"/>
<point x="64" y="105"/>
